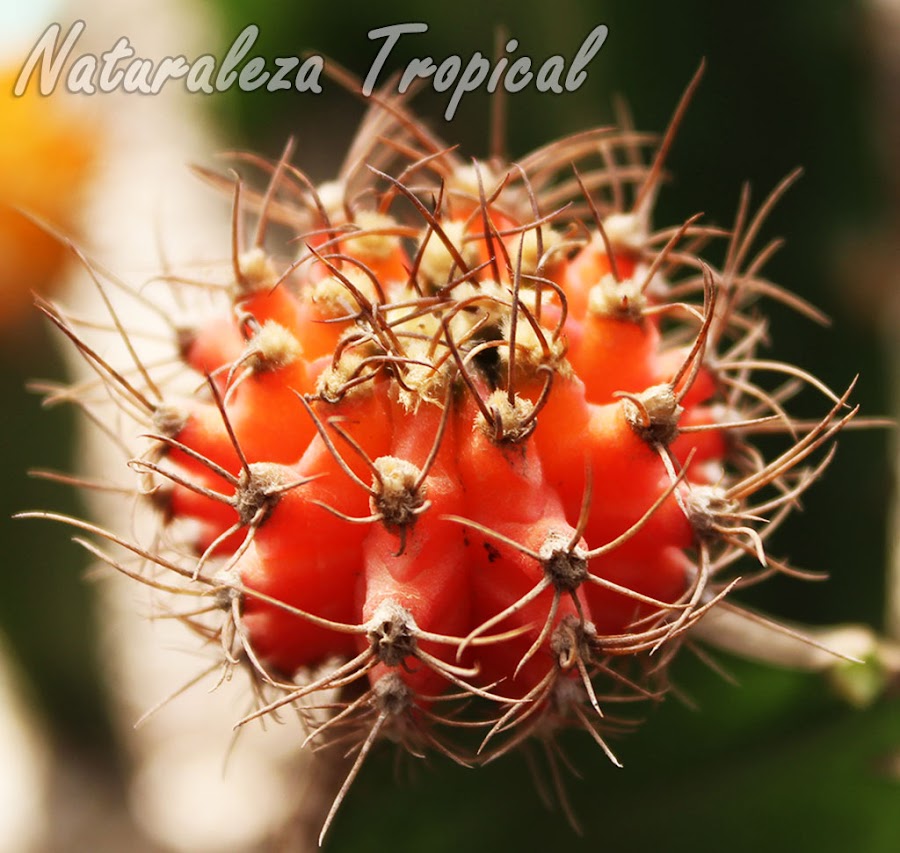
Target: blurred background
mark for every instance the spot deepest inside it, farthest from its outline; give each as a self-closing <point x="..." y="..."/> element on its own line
<point x="777" y="761"/>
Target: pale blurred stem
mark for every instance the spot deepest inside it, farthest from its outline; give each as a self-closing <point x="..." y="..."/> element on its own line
<point x="741" y="635"/>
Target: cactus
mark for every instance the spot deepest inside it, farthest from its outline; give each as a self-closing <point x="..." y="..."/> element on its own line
<point x="470" y="450"/>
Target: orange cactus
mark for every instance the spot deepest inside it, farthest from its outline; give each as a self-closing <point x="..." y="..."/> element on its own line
<point x="469" y="444"/>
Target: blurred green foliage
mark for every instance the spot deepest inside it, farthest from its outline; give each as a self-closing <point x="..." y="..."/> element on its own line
<point x="774" y="763"/>
<point x="46" y="608"/>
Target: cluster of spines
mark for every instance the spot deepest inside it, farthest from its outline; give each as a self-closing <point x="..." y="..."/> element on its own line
<point x="494" y="446"/>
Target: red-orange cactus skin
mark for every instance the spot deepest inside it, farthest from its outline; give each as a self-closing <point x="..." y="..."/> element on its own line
<point x="467" y="457"/>
<point x="489" y="458"/>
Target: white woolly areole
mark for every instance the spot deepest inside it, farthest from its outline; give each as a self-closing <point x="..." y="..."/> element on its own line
<point x="374" y="246"/>
<point x="625" y="231"/>
<point x="437" y="263"/>
<point x="257" y="271"/>
<point x="617" y="299"/>
<point x="273" y="347"/>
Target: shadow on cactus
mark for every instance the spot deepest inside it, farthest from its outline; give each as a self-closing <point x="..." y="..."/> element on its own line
<point x="459" y="453"/>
